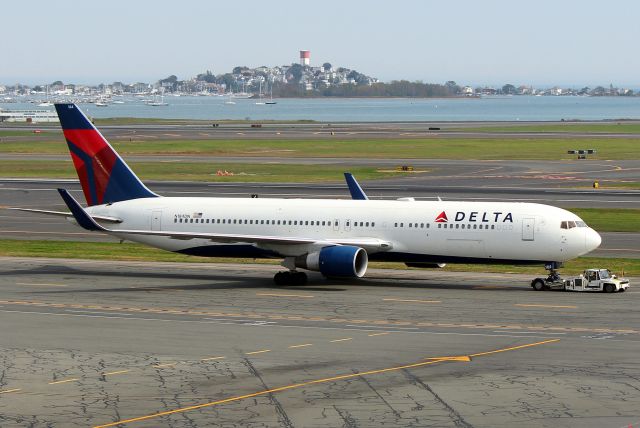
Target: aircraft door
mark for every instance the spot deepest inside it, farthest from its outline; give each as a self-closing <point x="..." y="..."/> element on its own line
<point x="156" y="220"/>
<point x="528" y="226"/>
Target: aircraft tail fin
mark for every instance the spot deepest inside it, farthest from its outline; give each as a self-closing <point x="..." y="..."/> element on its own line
<point x="104" y="176"/>
<point x="354" y="187"/>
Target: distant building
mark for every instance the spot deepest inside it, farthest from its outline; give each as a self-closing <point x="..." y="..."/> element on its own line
<point x="305" y="57"/>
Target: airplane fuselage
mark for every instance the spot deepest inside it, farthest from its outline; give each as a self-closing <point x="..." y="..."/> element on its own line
<point x="419" y="231"/>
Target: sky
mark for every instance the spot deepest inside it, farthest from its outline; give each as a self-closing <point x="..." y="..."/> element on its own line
<point x="541" y="42"/>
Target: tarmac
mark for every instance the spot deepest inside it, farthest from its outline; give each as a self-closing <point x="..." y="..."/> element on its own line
<point x="93" y="343"/>
<point x="318" y="130"/>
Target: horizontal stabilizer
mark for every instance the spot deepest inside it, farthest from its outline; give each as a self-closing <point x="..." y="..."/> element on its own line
<point x="66" y="214"/>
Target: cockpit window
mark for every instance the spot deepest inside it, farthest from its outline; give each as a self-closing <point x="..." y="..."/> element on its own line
<point x="572" y="224"/>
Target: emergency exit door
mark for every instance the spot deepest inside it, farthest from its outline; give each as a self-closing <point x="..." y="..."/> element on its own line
<point x="528" y="227"/>
<point x="156" y="220"/>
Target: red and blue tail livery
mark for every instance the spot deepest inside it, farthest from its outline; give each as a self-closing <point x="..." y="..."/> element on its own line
<point x="104" y="176"/>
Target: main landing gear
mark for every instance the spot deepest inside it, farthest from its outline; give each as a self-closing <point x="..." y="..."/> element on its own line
<point x="290" y="277"/>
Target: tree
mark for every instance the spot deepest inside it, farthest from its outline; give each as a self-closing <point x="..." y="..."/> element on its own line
<point x="452" y="87"/>
<point x="239" y="69"/>
<point x="327" y="66"/>
<point x="208" y="77"/>
<point x="227" y="80"/>
<point x="509" y="89"/>
<point x="296" y="72"/>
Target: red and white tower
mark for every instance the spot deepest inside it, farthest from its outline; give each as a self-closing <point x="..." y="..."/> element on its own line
<point x="305" y="57"/>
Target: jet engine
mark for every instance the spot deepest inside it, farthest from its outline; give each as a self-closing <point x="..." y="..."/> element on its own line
<point x="339" y="260"/>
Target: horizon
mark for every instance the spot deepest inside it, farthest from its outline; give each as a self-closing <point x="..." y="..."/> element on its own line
<point x="538" y="43"/>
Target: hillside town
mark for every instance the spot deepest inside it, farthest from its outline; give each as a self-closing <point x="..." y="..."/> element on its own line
<point x="301" y="79"/>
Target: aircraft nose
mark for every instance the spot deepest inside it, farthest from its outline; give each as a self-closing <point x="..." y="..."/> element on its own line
<point x="592" y="240"/>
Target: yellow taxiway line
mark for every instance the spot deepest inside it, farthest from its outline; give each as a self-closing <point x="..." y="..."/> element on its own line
<point x="317" y="381"/>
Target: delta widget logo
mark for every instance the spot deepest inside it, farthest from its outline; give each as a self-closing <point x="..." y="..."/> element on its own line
<point x="442" y="218"/>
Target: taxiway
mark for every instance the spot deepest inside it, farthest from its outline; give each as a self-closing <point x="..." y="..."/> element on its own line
<point x="98" y="343"/>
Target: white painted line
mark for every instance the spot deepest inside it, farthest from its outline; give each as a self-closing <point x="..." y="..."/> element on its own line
<point x="98" y="312"/>
<point x="524" y="332"/>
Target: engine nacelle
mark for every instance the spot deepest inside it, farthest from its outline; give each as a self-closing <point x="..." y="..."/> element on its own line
<point x="339" y="260"/>
<point x="425" y="265"/>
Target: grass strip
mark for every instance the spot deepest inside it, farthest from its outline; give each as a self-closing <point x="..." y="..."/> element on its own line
<point x="595" y="128"/>
<point x="202" y="171"/>
<point x="136" y="252"/>
<point x="610" y="219"/>
<point x="526" y="148"/>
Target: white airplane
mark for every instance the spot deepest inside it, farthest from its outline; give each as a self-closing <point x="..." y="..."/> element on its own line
<point x="334" y="237"/>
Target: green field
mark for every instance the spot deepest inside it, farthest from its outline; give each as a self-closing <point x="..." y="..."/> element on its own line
<point x="203" y="171"/>
<point x="19" y="133"/>
<point x="428" y="148"/>
<point x="137" y="252"/>
<point x="595" y="128"/>
<point x="610" y="219"/>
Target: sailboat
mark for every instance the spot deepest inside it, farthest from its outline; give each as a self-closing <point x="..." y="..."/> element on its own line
<point x="46" y="103"/>
<point x="260" y="103"/>
<point x="156" y="103"/>
<point x="271" y="102"/>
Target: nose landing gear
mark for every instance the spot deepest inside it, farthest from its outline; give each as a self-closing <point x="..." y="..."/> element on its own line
<point x="554" y="280"/>
<point x="291" y="277"/>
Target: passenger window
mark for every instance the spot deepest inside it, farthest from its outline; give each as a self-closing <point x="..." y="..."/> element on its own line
<point x="395" y="224"/>
<point x="457" y="226"/>
<point x="401" y="224"/>
<point x="367" y="224"/>
<point x="373" y="224"/>
<point x="439" y="225"/>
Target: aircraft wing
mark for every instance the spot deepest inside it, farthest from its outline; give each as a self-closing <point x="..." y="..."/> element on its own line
<point x="88" y="222"/>
<point x="65" y="214"/>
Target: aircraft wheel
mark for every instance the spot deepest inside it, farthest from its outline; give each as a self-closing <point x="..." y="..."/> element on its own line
<point x="281" y="278"/>
<point x="609" y="288"/>
<point x="298" y="278"/>
<point x="538" y="285"/>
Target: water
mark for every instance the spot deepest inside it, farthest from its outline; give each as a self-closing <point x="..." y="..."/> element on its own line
<point x="516" y="108"/>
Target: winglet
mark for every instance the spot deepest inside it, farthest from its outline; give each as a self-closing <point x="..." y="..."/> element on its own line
<point x="356" y="191"/>
<point x="80" y="215"/>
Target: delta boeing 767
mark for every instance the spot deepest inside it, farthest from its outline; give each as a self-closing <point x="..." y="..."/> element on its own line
<point x="334" y="237"/>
